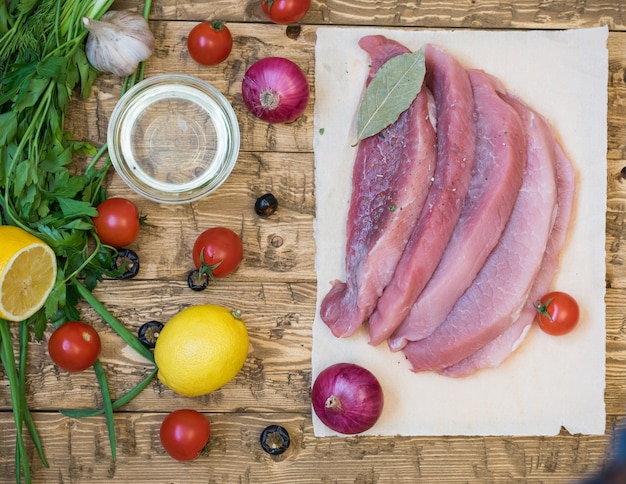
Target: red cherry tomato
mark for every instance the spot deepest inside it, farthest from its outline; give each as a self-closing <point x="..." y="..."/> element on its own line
<point x="210" y="43"/>
<point x="74" y="346"/>
<point x="118" y="222"/>
<point x="185" y="434"/>
<point x="285" y="11"/>
<point x="558" y="313"/>
<point x="218" y="251"/>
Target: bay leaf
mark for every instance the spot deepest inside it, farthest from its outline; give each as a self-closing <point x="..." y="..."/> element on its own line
<point x="390" y="93"/>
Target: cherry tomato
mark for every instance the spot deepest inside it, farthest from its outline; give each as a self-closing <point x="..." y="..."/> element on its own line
<point x="185" y="434"/>
<point x="118" y="222"/>
<point x="285" y="11"/>
<point x="74" y="346"/>
<point x="217" y="252"/>
<point x="558" y="313"/>
<point x="210" y="43"/>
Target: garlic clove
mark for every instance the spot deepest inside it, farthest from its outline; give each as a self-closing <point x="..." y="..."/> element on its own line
<point x="118" y="42"/>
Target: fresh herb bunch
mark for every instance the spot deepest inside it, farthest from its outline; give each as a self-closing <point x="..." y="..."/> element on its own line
<point x="42" y="62"/>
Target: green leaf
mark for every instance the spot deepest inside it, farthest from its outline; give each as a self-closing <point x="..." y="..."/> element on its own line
<point x="62" y="184"/>
<point x="78" y="224"/>
<point x="86" y="73"/>
<point x="56" y="297"/>
<point x="29" y="200"/>
<point x="8" y="127"/>
<point x="390" y="93"/>
<point x="28" y="97"/>
<point x="25" y="6"/>
<point x="52" y="68"/>
<point x="25" y="174"/>
<point x="75" y="208"/>
<point x="5" y="18"/>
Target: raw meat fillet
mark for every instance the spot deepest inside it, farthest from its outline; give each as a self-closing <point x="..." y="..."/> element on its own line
<point x="456" y="139"/>
<point x="391" y="176"/>
<point x="496" y="298"/>
<point x="496" y="180"/>
<point x="495" y="352"/>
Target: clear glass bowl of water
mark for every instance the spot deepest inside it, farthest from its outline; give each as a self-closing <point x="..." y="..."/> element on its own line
<point x="173" y="138"/>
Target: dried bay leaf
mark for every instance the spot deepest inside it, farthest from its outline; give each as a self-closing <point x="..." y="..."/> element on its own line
<point x="390" y="93"/>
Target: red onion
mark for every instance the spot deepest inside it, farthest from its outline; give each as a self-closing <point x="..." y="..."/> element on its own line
<point x="275" y="90"/>
<point x="347" y="398"/>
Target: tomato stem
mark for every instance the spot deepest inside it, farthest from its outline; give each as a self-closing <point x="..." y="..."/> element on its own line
<point x="217" y="24"/>
<point x="543" y="308"/>
<point x="207" y="269"/>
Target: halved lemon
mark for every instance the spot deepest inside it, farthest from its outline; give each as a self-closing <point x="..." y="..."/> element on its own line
<point x="28" y="270"/>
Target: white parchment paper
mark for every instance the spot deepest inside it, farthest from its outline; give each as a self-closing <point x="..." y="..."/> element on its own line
<point x="548" y="382"/>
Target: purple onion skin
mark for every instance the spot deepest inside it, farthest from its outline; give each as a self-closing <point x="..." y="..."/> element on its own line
<point x="279" y="79"/>
<point x="358" y="393"/>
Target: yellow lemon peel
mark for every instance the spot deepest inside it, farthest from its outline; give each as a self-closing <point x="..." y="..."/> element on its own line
<point x="200" y="349"/>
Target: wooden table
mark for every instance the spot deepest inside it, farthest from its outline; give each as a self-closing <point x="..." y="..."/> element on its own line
<point x="275" y="288"/>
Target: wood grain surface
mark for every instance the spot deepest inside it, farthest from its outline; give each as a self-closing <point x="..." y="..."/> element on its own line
<point x="275" y="287"/>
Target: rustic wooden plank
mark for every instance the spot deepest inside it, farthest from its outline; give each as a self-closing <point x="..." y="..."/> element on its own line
<point x="616" y="156"/>
<point x="294" y="139"/>
<point x="171" y="57"/>
<point x="253" y="43"/>
<point x="78" y="451"/>
<point x="275" y="286"/>
<point x="276" y="376"/>
<point x="277" y="248"/>
<point x="519" y="14"/>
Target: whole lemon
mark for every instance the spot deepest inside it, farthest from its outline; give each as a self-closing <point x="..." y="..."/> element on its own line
<point x="200" y="349"/>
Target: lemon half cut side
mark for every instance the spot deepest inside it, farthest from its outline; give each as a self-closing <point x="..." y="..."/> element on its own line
<point x="28" y="271"/>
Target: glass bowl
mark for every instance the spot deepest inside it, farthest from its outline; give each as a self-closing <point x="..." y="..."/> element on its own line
<point x="173" y="138"/>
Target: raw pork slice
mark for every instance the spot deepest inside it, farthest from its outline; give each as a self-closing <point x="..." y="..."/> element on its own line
<point x="497" y="296"/>
<point x="496" y="180"/>
<point x="391" y="176"/>
<point x="495" y="352"/>
<point x="456" y="139"/>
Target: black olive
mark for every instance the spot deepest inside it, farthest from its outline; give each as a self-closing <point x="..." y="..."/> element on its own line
<point x="293" y="31"/>
<point x="196" y="282"/>
<point x="129" y="260"/>
<point x="266" y="205"/>
<point x="275" y="439"/>
<point x="149" y="332"/>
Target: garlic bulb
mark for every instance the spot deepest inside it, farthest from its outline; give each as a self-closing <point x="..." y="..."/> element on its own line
<point x="118" y="42"/>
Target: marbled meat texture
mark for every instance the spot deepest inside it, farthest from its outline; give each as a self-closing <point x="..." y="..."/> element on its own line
<point x="391" y="177"/>
<point x="495" y="183"/>
<point x="497" y="350"/>
<point x="456" y="290"/>
<point x="456" y="147"/>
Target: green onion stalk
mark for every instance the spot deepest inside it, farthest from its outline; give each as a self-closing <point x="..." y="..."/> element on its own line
<point x="42" y="64"/>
